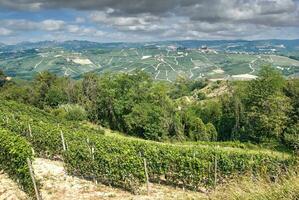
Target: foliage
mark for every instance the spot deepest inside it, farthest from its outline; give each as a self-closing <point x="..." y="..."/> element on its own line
<point x="13" y="159"/>
<point x="291" y="136"/>
<point x="2" y="78"/>
<point x="211" y="132"/>
<point x="45" y="129"/>
<point x="73" y="112"/>
<point x="260" y="111"/>
<point x="119" y="161"/>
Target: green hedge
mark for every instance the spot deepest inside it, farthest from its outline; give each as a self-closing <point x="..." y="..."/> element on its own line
<point x="14" y="151"/>
<point x="118" y="161"/>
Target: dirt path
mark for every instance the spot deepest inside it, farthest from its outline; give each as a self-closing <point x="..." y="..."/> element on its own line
<point x="9" y="190"/>
<point x="37" y="64"/>
<point x="250" y="66"/>
<point x="56" y="184"/>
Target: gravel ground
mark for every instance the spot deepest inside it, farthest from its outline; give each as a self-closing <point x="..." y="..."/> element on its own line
<point x="9" y="189"/>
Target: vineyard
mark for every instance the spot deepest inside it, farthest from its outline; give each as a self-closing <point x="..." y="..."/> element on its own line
<point x="13" y="158"/>
<point x="121" y="162"/>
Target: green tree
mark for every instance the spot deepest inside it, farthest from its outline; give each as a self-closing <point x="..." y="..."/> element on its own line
<point x="55" y="96"/>
<point x="211" y="132"/>
<point x="2" y="78"/>
<point x="147" y="121"/>
<point x="267" y="107"/>
<point x="194" y="128"/>
<point x="42" y="83"/>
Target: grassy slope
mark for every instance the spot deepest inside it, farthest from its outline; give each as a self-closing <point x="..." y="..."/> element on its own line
<point x="287" y="189"/>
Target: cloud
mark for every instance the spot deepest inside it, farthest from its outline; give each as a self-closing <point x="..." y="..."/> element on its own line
<point x="161" y="19"/>
<point x="80" y="20"/>
<point x="201" y="10"/>
<point x="25" y="25"/>
<point x="5" y="32"/>
<point x="140" y="22"/>
<point x="52" y="25"/>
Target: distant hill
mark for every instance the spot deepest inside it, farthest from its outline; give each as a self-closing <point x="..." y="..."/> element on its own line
<point x="2" y="45"/>
<point x="224" y="45"/>
<point x="166" y="60"/>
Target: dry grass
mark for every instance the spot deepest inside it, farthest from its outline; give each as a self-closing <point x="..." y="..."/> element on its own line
<point x="246" y="189"/>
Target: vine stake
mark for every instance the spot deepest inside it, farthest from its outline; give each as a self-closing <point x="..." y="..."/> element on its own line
<point x="63" y="142"/>
<point x="38" y="197"/>
<point x="146" y="176"/>
<point x="215" y="174"/>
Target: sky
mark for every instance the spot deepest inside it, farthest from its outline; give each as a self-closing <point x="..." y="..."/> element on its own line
<point x="147" y="20"/>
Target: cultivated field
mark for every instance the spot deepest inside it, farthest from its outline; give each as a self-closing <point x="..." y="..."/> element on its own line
<point x="109" y="158"/>
<point x="162" y="63"/>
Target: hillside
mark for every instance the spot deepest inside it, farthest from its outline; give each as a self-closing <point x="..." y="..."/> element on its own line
<point x="57" y="182"/>
<point x="236" y="60"/>
<point x="116" y="161"/>
<point x="132" y="133"/>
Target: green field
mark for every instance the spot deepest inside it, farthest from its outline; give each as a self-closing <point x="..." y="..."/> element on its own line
<point x="161" y="63"/>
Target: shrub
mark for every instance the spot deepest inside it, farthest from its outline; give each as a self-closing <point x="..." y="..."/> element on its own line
<point x="13" y="159"/>
<point x="211" y="132"/>
<point x="72" y="112"/>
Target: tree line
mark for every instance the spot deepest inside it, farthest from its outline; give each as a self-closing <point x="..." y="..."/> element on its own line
<point x="262" y="110"/>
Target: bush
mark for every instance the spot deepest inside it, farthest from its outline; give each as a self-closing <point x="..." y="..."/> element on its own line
<point x="13" y="159"/>
<point x="211" y="132"/>
<point x="45" y="128"/>
<point x="72" y="112"/>
<point x="291" y="137"/>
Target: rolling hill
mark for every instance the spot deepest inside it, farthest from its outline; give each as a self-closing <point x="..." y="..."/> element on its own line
<point x="167" y="60"/>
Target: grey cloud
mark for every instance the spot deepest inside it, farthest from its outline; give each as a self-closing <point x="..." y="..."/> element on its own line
<point x="5" y="31"/>
<point x="212" y="11"/>
<point x="149" y="19"/>
<point x="23" y="25"/>
<point x="12" y="26"/>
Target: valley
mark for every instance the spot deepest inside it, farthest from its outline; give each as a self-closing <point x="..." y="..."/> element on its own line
<point x="162" y="61"/>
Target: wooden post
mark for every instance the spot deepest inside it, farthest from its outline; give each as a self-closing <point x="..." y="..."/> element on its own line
<point x="92" y="156"/>
<point x="215" y="172"/>
<point x="209" y="170"/>
<point x="63" y="142"/>
<point x="146" y="175"/>
<point x="92" y="153"/>
<point x="30" y="131"/>
<point x="87" y="141"/>
<point x="38" y="197"/>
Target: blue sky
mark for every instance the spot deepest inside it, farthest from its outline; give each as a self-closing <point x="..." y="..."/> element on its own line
<point x="147" y="20"/>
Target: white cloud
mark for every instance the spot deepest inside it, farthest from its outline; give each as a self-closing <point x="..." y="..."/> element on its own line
<point x="80" y="20"/>
<point x="5" y="32"/>
<point x="52" y="25"/>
